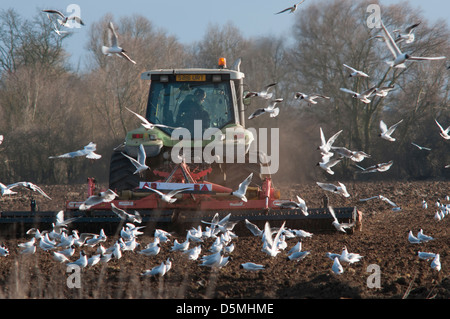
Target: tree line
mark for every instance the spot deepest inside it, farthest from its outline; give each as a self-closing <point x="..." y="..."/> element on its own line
<point x="47" y="108"/>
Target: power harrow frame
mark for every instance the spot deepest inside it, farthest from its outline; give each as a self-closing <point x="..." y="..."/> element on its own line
<point x="200" y="203"/>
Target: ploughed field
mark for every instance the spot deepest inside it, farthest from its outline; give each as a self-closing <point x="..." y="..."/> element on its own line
<point x="390" y="267"/>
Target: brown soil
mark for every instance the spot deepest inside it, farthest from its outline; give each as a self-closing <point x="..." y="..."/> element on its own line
<point x="382" y="241"/>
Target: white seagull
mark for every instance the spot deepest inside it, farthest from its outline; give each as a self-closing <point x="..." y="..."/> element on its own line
<point x="60" y="257"/>
<point x="399" y="56"/>
<point x="270" y="245"/>
<point x="264" y="93"/>
<point x="425" y="255"/>
<point x="339" y="226"/>
<point x="270" y="109"/>
<point x="436" y="263"/>
<point x="114" y="48"/>
<point x="326" y="145"/>
<point x="146" y="123"/>
<point x="381" y="167"/>
<point x="356" y="156"/>
<point x="132" y="218"/>
<point x="311" y="99"/>
<point x="363" y="96"/>
<point x="88" y="151"/>
<point x="251" y="266"/>
<point x="384" y="90"/>
<point x="253" y="228"/>
<point x="337" y="267"/>
<point x="444" y="133"/>
<point x="413" y="239"/>
<point x="421" y="147"/>
<point x="81" y="262"/>
<point x="356" y="73"/>
<point x="422" y="237"/>
<point x="63" y="21"/>
<point x="103" y="197"/>
<point x="29" y="186"/>
<point x="242" y="189"/>
<point x="169" y="197"/>
<point x="387" y="132"/>
<point x="291" y="9"/>
<point x="300" y="203"/>
<point x="407" y="34"/>
<point x="327" y="165"/>
<point x="298" y="255"/>
<point x="340" y="190"/>
<point x="139" y="163"/>
<point x="159" y="270"/>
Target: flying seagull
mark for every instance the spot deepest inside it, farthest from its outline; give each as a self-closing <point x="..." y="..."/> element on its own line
<point x="356" y="73"/>
<point x="408" y="35"/>
<point x="356" y="156"/>
<point x="340" y="190"/>
<point x="88" y="151"/>
<point x="139" y="163"/>
<point x="264" y="93"/>
<point x="311" y="99"/>
<point x="339" y="226"/>
<point x="242" y="189"/>
<point x="29" y="186"/>
<point x="399" y="56"/>
<point x="114" y="48"/>
<point x="363" y="96"/>
<point x="384" y="90"/>
<point x="63" y="21"/>
<point x="300" y="203"/>
<point x="326" y="145"/>
<point x="132" y="218"/>
<point x="387" y="132"/>
<point x="421" y="147"/>
<point x="443" y="133"/>
<point x="271" y="109"/>
<point x="102" y="197"/>
<point x="149" y="126"/>
<point x="381" y="167"/>
<point x="291" y="9"/>
<point x="169" y="196"/>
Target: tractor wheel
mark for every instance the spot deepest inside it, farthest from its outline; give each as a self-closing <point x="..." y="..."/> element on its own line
<point x="121" y="171"/>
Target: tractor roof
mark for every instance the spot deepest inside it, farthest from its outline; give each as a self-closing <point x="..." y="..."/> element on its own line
<point x="234" y="75"/>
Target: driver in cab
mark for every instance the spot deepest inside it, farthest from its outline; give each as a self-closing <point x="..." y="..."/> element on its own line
<point x="192" y="109"/>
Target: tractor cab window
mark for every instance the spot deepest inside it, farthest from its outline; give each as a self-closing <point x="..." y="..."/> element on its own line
<point x="178" y="104"/>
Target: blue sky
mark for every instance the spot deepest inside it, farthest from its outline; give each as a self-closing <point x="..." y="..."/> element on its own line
<point x="189" y="20"/>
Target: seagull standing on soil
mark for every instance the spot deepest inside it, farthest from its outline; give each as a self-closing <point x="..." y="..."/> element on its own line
<point x="114" y="48"/>
<point x="337" y="267"/>
<point x="422" y="237"/>
<point x="251" y="266"/>
<point x="413" y="239"/>
<point x="387" y="132"/>
<point x="436" y="263"/>
<point x="82" y="262"/>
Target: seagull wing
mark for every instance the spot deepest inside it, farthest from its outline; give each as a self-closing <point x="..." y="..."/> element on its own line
<point x="145" y="123"/>
<point x="119" y="212"/>
<point x="55" y="12"/>
<point x="331" y="210"/>
<point x="383" y="127"/>
<point x="124" y="55"/>
<point x="348" y="91"/>
<point x="387" y="200"/>
<point x="253" y="228"/>
<point x="176" y="191"/>
<point x="112" y="35"/>
<point x="257" y="113"/>
<point x="154" y="190"/>
<point x="421" y="58"/>
<point x="393" y="127"/>
<point x="392" y="46"/>
<point x="141" y="156"/>
<point x="349" y="67"/>
<point x="287" y="9"/>
<point x="244" y="185"/>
